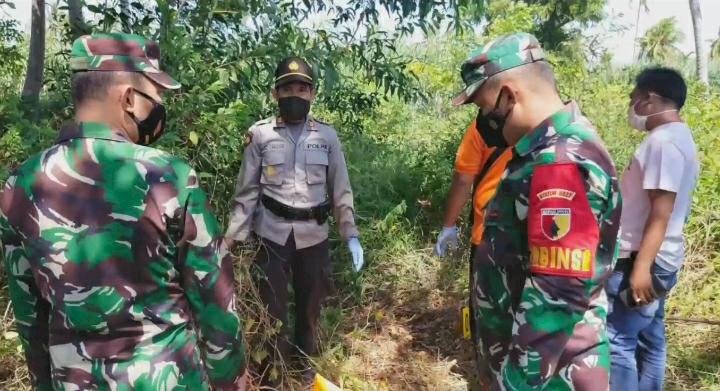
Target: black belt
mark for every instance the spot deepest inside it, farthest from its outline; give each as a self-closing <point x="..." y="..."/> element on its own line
<point x="318" y="213"/>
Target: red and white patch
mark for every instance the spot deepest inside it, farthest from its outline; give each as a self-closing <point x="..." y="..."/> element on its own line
<point x="555" y="222"/>
<point x="563" y="233"/>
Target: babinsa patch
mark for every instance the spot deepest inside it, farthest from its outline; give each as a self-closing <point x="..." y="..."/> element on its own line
<point x="563" y="233"/>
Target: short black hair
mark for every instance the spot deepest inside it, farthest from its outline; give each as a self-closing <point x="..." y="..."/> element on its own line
<point x="94" y="85"/>
<point x="665" y="82"/>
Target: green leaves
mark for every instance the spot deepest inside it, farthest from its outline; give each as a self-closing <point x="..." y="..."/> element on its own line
<point x="659" y="42"/>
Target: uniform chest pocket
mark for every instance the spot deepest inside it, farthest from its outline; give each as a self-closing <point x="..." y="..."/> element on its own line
<point x="494" y="214"/>
<point x="316" y="166"/>
<point x="273" y="165"/>
<point x="501" y="229"/>
<point x="493" y="223"/>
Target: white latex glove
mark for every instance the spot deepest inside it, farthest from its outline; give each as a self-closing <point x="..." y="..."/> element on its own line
<point x="357" y="253"/>
<point x="448" y="238"/>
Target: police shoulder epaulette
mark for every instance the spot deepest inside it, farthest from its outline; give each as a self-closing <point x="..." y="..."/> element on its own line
<point x="318" y="120"/>
<point x="263" y="121"/>
<point x="248" y="138"/>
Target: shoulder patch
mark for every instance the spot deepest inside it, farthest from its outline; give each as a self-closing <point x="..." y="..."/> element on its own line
<point x="326" y="128"/>
<point x="563" y="233"/>
<point x="264" y="121"/>
<point x="320" y="121"/>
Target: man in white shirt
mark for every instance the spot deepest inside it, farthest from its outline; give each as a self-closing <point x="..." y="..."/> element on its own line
<point x="657" y="192"/>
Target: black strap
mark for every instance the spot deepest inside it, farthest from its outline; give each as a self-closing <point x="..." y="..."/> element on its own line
<point x="488" y="165"/>
<point x="319" y="213"/>
<point x="625" y="265"/>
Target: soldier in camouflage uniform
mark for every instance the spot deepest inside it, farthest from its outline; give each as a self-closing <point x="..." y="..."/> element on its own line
<point x="114" y="260"/>
<point x="550" y="231"/>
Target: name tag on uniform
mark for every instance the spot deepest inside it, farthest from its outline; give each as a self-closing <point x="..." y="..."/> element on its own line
<point x="317" y="145"/>
<point x="274" y="146"/>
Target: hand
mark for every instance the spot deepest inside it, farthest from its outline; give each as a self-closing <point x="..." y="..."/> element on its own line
<point x="357" y="253"/>
<point x="448" y="238"/>
<point x="229" y="244"/>
<point x="641" y="284"/>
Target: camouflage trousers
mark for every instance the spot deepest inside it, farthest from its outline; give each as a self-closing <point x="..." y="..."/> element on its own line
<point x="494" y="294"/>
<point x="498" y="294"/>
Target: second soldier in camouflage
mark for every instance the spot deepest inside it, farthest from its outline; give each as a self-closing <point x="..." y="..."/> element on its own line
<point x="550" y="237"/>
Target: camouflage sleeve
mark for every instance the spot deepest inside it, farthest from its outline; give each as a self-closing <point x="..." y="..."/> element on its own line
<point x="208" y="280"/>
<point x="341" y="191"/>
<point x="247" y="189"/>
<point x="31" y="311"/>
<point x="561" y="326"/>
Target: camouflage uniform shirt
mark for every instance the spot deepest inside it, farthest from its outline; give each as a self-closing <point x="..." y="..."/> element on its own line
<point x="115" y="269"/>
<point x="550" y="243"/>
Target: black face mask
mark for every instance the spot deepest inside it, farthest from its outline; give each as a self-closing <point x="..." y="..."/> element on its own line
<point x="293" y="108"/>
<point x="491" y="125"/>
<point x="153" y="126"/>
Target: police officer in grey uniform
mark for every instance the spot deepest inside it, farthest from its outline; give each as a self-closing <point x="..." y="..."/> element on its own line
<point x="293" y="175"/>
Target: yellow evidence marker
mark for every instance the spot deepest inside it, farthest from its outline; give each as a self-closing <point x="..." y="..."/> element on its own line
<point x="466" y="322"/>
<point x="323" y="384"/>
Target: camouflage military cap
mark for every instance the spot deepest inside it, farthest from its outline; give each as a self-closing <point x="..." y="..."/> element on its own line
<point x="120" y="52"/>
<point x="506" y="52"/>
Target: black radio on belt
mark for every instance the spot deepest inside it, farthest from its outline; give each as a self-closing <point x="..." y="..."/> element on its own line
<point x="319" y="213"/>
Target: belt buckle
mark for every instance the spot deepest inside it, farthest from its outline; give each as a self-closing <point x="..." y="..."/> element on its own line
<point x="286" y="211"/>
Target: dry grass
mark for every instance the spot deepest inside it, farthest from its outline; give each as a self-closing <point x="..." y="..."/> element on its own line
<point x="13" y="373"/>
<point x="409" y="346"/>
<point x="406" y="334"/>
<point x="694" y="348"/>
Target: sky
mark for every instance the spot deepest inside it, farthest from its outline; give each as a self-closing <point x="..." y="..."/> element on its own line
<point x="623" y="12"/>
<point x="621" y="43"/>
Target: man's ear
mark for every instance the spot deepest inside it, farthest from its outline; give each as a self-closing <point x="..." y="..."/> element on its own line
<point x="274" y="94"/>
<point x="510" y="94"/>
<point x="127" y="97"/>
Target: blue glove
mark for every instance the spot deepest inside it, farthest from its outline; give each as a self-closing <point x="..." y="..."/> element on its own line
<point x="357" y="253"/>
<point x="448" y="238"/>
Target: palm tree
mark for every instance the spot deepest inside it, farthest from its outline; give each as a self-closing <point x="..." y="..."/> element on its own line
<point x="715" y="48"/>
<point x="659" y="42"/>
<point x="701" y="60"/>
<point x="641" y="4"/>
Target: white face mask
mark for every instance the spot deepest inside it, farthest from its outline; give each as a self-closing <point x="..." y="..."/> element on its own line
<point x="639" y="122"/>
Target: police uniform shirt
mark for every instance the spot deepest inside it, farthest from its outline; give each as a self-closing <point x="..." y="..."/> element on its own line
<point x="301" y="174"/>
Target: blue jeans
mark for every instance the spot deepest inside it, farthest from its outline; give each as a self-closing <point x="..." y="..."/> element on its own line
<point x="637" y="336"/>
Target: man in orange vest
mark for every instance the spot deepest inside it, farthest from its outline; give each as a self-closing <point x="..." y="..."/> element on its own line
<point x="479" y="165"/>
